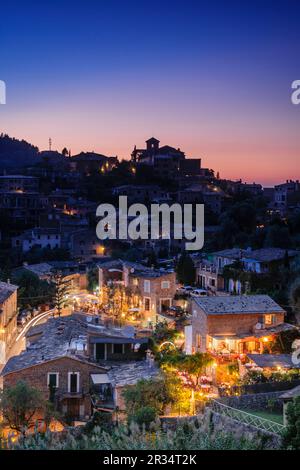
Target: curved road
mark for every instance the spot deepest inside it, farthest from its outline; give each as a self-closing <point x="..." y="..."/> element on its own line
<point x="20" y="343"/>
<point x="34" y="321"/>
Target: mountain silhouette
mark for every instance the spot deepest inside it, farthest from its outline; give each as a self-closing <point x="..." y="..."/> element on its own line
<point x="16" y="153"/>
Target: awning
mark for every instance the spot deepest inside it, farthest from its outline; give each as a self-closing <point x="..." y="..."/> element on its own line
<point x="224" y="337"/>
<point x="272" y="361"/>
<point x="108" y="340"/>
<point x="100" y="379"/>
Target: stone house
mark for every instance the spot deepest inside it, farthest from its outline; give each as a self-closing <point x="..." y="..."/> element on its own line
<point x="39" y="238"/>
<point x="8" y="317"/>
<point x="210" y="272"/>
<point x="233" y="324"/>
<point x="166" y="161"/>
<point x="79" y="364"/>
<point x="65" y="380"/>
<point x="142" y="193"/>
<point x="208" y="276"/>
<point x="89" y="163"/>
<point x="152" y="289"/>
<point x="286" y="197"/>
<point x="19" y="183"/>
<point x="156" y="289"/>
<point x="84" y="245"/>
<point x="71" y="271"/>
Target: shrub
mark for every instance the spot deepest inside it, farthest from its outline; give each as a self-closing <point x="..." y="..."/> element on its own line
<point x="189" y="435"/>
<point x="99" y="419"/>
<point x="153" y="392"/>
<point x="291" y="435"/>
<point x="144" y="416"/>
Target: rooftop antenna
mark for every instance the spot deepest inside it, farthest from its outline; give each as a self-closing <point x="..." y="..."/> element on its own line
<point x="50" y="144"/>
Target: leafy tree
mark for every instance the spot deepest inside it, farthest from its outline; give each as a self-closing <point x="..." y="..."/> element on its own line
<point x="144" y="416"/>
<point x="162" y="333"/>
<point x="14" y="152"/>
<point x="286" y="261"/>
<point x="32" y="290"/>
<point x="5" y="272"/>
<point x="278" y="236"/>
<point x="284" y="341"/>
<point x="19" y="404"/>
<point x="291" y="435"/>
<point x="185" y="270"/>
<point x="194" y="365"/>
<point x="151" y="392"/>
<point x="294" y="297"/>
<point x="38" y="255"/>
<point x="99" y="419"/>
<point x="152" y="259"/>
<point x="92" y="277"/>
<point x="294" y="224"/>
<point x="242" y="215"/>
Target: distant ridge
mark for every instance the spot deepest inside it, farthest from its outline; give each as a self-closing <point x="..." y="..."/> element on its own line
<point x="16" y="153"/>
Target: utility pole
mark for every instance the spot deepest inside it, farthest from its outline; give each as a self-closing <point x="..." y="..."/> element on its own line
<point x="50" y="144"/>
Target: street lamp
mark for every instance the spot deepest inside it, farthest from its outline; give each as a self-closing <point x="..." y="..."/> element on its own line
<point x="192" y="402"/>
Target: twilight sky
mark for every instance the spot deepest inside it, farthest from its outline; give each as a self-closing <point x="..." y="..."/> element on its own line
<point x="213" y="79"/>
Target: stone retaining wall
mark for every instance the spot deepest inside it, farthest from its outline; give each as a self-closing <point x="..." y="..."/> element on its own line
<point x="260" y="401"/>
<point x="241" y="430"/>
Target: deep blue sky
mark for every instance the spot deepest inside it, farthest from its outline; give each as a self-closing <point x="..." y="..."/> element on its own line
<point x="213" y="78"/>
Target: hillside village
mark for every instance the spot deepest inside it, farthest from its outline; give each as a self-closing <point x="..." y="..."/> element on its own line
<point x="89" y="323"/>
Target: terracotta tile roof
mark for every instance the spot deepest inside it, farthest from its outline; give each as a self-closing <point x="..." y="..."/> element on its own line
<point x="130" y="373"/>
<point x="273" y="361"/>
<point x="6" y="289"/>
<point x="235" y="304"/>
<point x="293" y="393"/>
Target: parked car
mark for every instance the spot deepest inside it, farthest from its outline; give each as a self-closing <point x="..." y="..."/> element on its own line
<point x="186" y="289"/>
<point x="175" y="311"/>
<point x="199" y="293"/>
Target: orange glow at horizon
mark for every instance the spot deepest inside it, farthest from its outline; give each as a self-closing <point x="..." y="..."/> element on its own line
<point x="241" y="147"/>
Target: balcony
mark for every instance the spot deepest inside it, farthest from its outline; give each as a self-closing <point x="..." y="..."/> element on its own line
<point x="99" y="403"/>
<point x="66" y="394"/>
<point x="208" y="268"/>
<point x="58" y="394"/>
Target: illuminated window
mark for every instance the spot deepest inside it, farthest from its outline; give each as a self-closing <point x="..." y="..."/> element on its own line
<point x="270" y="319"/>
<point x="198" y="341"/>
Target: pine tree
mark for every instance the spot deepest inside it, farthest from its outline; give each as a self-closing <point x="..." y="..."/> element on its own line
<point x="65" y="152"/>
<point x="62" y="287"/>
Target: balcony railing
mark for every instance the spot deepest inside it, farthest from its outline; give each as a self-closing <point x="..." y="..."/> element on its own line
<point x="101" y="402"/>
<point x="208" y="268"/>
<point x="59" y="394"/>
